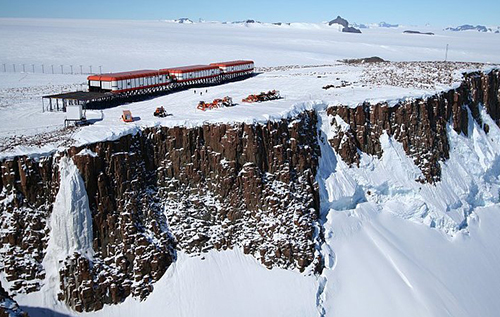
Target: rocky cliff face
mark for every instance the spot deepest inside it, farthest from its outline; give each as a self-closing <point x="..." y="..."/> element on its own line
<point x="212" y="187"/>
<point x="248" y="186"/>
<point x="28" y="187"/>
<point x="8" y="307"/>
<point x="420" y="125"/>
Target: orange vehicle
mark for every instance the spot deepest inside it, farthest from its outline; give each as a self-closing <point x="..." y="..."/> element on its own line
<point x="202" y="105"/>
<point x="160" y="112"/>
<point x="251" y="98"/>
<point x="216" y="103"/>
<point x="263" y="96"/>
<point x="127" y="116"/>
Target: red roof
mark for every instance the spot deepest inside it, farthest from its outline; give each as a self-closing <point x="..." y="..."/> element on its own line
<point x="232" y="63"/>
<point x="124" y="75"/>
<point x="187" y="69"/>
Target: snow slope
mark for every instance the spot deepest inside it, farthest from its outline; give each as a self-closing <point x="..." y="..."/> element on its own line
<point x="390" y="181"/>
<point x="397" y="247"/>
<point x="225" y="283"/>
<point x="387" y="266"/>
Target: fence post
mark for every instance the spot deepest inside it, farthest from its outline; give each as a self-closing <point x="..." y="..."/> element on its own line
<point x="33" y="68"/>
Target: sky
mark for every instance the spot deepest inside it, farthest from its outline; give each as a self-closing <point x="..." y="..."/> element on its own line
<point x="433" y="12"/>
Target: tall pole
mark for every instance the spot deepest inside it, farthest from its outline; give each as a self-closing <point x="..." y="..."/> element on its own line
<point x="43" y="69"/>
<point x="62" y="71"/>
<point x="52" y="66"/>
<point x="100" y="69"/>
<point x="90" y="67"/>
<point x="14" y="67"/>
<point x="33" y="66"/>
<point x="24" y="68"/>
<point x="4" y="68"/>
<point x="71" y="66"/>
<point x="446" y="55"/>
<point x="81" y="69"/>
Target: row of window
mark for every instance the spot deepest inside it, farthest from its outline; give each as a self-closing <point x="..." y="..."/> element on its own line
<point x="198" y="74"/>
<point x="138" y="82"/>
<point x="156" y="80"/>
<point x="235" y="68"/>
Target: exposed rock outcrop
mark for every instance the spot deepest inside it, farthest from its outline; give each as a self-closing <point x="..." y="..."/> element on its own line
<point x="417" y="32"/>
<point x="420" y="125"/>
<point x="8" y="306"/>
<point x="351" y="29"/>
<point x="28" y="187"/>
<point x="468" y="27"/>
<point x="345" y="25"/>
<point x="365" y="60"/>
<point x="167" y="189"/>
<point x="217" y="186"/>
<point x="250" y="186"/>
<point x="339" y="20"/>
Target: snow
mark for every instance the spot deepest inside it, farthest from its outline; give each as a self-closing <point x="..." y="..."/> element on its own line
<point x="128" y="45"/>
<point x="70" y="226"/>
<point x="391" y="267"/>
<point x="87" y="152"/>
<point x="71" y="219"/>
<point x="393" y="247"/>
<point x="396" y="247"/>
<point x="226" y="283"/>
<point x="301" y="88"/>
<point x="390" y="181"/>
<point x="158" y="44"/>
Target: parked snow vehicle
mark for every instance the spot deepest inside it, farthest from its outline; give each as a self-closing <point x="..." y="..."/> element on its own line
<point x="127" y="116"/>
<point x="216" y="103"/>
<point x="202" y="105"/>
<point x="273" y="95"/>
<point x="106" y="90"/>
<point x="263" y="96"/>
<point x="227" y="101"/>
<point x="250" y="99"/>
<point x="160" y="112"/>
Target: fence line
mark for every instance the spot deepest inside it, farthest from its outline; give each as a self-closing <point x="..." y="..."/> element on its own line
<point x="50" y="68"/>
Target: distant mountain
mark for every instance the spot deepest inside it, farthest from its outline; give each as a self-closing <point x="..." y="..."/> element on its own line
<point x="468" y="27"/>
<point x="360" y="26"/>
<point x="344" y="24"/>
<point x="387" y="25"/>
<point x="351" y="29"/>
<point x="249" y="21"/>
<point x="184" y="20"/>
<point x="339" y="20"/>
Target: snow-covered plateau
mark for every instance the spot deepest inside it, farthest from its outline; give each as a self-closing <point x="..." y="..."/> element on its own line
<point x="370" y="189"/>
